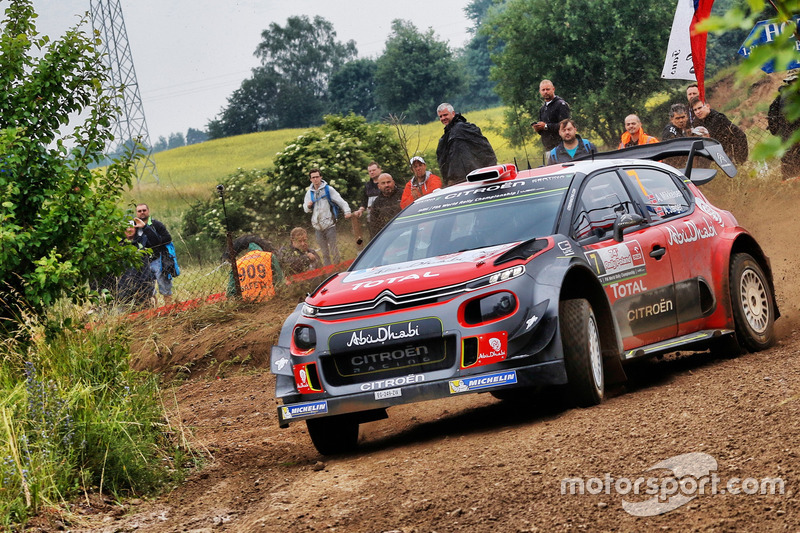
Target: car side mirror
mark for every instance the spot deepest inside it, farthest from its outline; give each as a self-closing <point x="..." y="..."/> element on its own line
<point x="628" y="220"/>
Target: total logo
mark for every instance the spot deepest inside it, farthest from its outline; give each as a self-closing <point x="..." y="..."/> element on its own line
<point x="394" y="279"/>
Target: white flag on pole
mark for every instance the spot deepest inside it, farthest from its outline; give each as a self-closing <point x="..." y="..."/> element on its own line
<point x="678" y="63"/>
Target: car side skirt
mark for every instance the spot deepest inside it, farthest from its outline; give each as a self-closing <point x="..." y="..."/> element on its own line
<point x="675" y="343"/>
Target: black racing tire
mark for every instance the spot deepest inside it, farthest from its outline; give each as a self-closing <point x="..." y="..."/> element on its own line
<point x="583" y="355"/>
<point x="753" y="303"/>
<point x="333" y="435"/>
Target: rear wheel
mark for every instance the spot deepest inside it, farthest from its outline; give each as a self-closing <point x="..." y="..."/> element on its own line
<point x="753" y="303"/>
<point x="583" y="357"/>
<point x="333" y="434"/>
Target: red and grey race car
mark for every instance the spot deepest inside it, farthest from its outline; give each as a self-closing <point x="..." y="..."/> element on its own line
<point x="551" y="276"/>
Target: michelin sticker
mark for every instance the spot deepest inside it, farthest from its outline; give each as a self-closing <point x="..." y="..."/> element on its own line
<point x="299" y="410"/>
<point x="483" y="382"/>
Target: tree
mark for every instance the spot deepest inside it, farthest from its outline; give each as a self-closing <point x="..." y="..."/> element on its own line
<point x="476" y="62"/>
<point x="61" y="222"/>
<point x="195" y="136"/>
<point x="781" y="51"/>
<point x="305" y="53"/>
<point x="352" y="89"/>
<point x="604" y="57"/>
<point x="176" y="140"/>
<point x="160" y="145"/>
<point x="290" y="88"/>
<point x="416" y="73"/>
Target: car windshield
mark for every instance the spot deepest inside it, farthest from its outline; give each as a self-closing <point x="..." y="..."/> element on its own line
<point x="467" y="219"/>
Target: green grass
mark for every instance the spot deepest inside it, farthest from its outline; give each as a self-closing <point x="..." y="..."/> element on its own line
<point x="75" y="419"/>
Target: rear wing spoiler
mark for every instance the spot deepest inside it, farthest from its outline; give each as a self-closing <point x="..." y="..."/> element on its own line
<point x="685" y="146"/>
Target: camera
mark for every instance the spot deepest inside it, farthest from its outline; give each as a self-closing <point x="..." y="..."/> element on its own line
<point x="220" y="189"/>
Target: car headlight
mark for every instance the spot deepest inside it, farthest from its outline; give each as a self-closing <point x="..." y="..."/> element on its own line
<point x="508" y="273"/>
<point x="304" y="340"/>
<point x="489" y="308"/>
<point x="309" y="311"/>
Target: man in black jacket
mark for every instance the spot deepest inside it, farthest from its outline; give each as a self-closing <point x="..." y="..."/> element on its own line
<point x="552" y="112"/>
<point x="732" y="139"/>
<point x="157" y="241"/>
<point x="779" y="125"/>
<point x="462" y="148"/>
<point x="386" y="205"/>
<point x="678" y="122"/>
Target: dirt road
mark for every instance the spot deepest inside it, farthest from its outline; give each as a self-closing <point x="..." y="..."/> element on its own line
<point x="475" y="463"/>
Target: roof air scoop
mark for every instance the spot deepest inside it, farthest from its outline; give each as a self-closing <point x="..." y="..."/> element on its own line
<point x="494" y="173"/>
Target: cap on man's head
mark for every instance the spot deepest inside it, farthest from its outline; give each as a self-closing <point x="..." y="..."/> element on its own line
<point x="417" y="158"/>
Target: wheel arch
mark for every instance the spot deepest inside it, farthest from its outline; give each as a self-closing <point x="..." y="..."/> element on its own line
<point x="581" y="282"/>
<point x="745" y="243"/>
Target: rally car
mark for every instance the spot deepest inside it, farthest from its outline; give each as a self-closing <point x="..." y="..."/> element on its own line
<point x="517" y="279"/>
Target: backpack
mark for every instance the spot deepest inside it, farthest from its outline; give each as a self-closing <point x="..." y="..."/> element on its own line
<point x="169" y="261"/>
<point x="334" y="207"/>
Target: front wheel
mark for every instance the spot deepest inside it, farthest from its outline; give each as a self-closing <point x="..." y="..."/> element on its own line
<point x="333" y="435"/>
<point x="753" y="303"/>
<point x="583" y="357"/>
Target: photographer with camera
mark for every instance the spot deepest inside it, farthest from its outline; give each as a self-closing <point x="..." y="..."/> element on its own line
<point x="156" y="237"/>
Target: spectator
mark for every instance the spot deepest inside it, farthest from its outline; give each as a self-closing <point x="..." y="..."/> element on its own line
<point x="678" y="123"/>
<point x="324" y="203"/>
<point x="161" y="264"/>
<point x="135" y="285"/>
<point x="552" y="112"/>
<point x="371" y="190"/>
<point x="779" y="125"/>
<point x="297" y="257"/>
<point x="386" y="205"/>
<point x="462" y="148"/>
<point x="421" y="183"/>
<point x="732" y="139"/>
<point x="634" y="134"/>
<point x="259" y="271"/>
<point x="571" y="145"/>
<point x="692" y="91"/>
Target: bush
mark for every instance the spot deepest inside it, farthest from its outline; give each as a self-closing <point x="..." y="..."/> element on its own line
<point x="74" y="418"/>
<point x="269" y="202"/>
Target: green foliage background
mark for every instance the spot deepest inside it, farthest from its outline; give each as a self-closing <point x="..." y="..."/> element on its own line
<point x="61" y="221"/>
<point x="270" y="200"/>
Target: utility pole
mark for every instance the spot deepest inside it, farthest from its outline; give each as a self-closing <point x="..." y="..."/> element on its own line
<point x="109" y="24"/>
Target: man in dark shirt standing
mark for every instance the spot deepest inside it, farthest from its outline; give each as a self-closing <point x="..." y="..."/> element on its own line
<point x="552" y="112"/>
<point x="157" y="241"/>
<point x="386" y="205"/>
<point x="371" y="190"/>
<point x="462" y="148"/>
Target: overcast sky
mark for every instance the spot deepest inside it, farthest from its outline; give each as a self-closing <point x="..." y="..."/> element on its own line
<point x="190" y="55"/>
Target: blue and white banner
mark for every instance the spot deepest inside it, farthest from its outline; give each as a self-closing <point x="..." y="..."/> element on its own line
<point x="765" y="32"/>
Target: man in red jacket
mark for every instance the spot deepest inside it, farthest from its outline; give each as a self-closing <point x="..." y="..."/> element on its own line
<point x="422" y="183"/>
